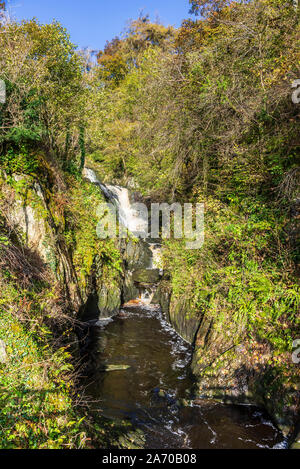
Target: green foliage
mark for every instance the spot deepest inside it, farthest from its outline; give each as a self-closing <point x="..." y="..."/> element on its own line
<point x="209" y="7"/>
<point x="81" y="235"/>
<point x="212" y="111"/>
<point x="45" y="90"/>
<point x="242" y="277"/>
<point x="24" y="162"/>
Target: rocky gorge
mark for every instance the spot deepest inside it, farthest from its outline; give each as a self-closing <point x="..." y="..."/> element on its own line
<point x="220" y="365"/>
<point x="128" y="341"/>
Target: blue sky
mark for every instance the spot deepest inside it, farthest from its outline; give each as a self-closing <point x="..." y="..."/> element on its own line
<point x="91" y="22"/>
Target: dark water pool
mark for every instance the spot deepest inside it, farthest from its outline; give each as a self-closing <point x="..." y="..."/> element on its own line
<point x="158" y="359"/>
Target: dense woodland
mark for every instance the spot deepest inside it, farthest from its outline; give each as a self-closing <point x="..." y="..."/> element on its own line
<point x="203" y="113"/>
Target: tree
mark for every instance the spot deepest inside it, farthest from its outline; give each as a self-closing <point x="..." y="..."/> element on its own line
<point x="112" y="61"/>
<point x="121" y="55"/>
<point x="45" y="88"/>
<point x="205" y="112"/>
<point x="207" y="7"/>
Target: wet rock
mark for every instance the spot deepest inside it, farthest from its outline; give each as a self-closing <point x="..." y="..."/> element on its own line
<point x="109" y="301"/>
<point x="122" y="315"/>
<point x="184" y="319"/>
<point x="130" y="290"/>
<point x="136" y="255"/>
<point x="103" y="303"/>
<point x="163" y="297"/>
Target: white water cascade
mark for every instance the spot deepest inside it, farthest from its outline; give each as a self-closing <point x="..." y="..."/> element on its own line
<point x="134" y="220"/>
<point x="129" y="216"/>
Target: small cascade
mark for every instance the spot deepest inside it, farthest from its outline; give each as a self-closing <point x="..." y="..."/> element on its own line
<point x="147" y="295"/>
<point x="90" y="175"/>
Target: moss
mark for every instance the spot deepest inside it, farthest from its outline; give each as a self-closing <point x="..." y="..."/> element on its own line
<point x="80" y="232"/>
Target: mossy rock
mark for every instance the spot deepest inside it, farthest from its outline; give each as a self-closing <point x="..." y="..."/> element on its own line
<point x="136" y="255"/>
<point x="130" y="290"/>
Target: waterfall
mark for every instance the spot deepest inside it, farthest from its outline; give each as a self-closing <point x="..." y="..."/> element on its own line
<point x="91" y="176"/>
<point x="135" y="221"/>
<point x="132" y="219"/>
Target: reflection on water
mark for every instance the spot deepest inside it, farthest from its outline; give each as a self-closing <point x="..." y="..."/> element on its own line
<point x="147" y="393"/>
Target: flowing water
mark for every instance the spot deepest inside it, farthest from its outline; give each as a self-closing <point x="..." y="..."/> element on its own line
<point x="158" y="362"/>
<point x="152" y="386"/>
<point x="130" y="215"/>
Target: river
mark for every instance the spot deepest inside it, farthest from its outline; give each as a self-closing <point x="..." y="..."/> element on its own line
<point x="158" y="361"/>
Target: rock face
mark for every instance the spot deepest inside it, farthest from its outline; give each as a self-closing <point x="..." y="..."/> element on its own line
<point x="130" y="289"/>
<point x="183" y="319"/>
<point x="26" y="219"/>
<point x="138" y="276"/>
<point x="179" y="313"/>
<point x="136" y="254"/>
<point x="109" y="301"/>
<point x="32" y="219"/>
